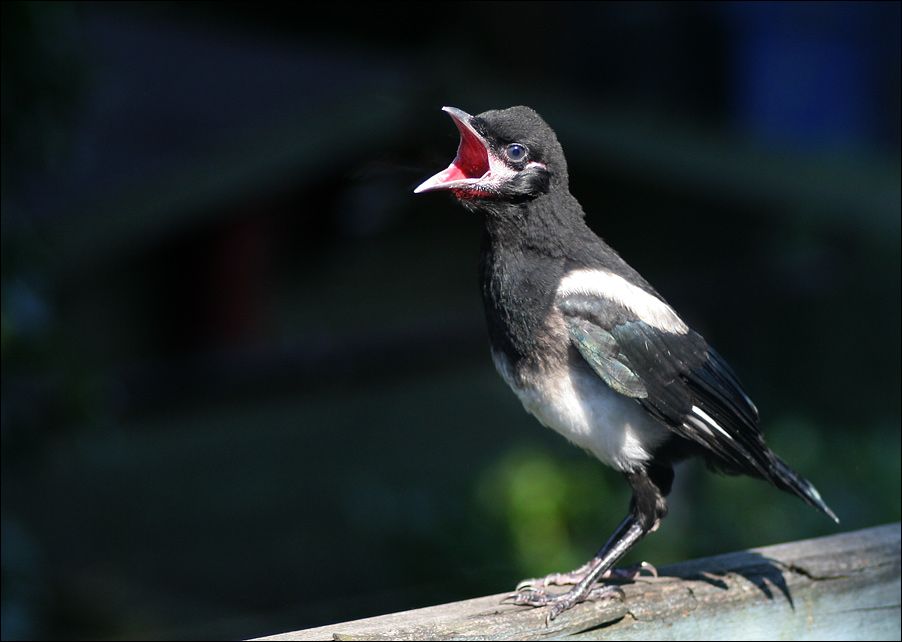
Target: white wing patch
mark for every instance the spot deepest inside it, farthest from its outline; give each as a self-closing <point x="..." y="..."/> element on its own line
<point x="706" y="422"/>
<point x="604" y="284"/>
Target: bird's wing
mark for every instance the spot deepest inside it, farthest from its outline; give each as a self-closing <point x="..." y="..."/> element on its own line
<point x="672" y="372"/>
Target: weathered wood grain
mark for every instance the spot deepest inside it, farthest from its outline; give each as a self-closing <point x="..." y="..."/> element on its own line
<point x="844" y="586"/>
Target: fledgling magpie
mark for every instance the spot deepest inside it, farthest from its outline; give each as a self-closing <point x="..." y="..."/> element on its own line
<point x="589" y="347"/>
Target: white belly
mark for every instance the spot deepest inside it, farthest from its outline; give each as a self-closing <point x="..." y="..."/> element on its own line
<point x="578" y="404"/>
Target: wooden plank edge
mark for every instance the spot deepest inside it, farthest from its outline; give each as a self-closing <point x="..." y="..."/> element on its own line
<point x="844" y="586"/>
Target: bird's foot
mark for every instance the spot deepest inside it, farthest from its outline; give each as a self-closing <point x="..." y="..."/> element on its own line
<point x="560" y="602"/>
<point x="578" y="575"/>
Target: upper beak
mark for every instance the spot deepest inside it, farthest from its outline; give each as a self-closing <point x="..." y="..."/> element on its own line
<point x="472" y="160"/>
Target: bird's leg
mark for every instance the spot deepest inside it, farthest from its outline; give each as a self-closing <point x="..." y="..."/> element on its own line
<point x="647" y="509"/>
<point x="629" y="532"/>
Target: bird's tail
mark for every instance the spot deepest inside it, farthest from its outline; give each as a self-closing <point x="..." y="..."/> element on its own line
<point x="785" y="478"/>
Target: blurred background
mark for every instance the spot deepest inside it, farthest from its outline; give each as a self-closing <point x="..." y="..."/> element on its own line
<point x="246" y="385"/>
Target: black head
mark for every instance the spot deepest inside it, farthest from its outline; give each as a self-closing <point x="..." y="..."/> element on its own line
<point x="504" y="155"/>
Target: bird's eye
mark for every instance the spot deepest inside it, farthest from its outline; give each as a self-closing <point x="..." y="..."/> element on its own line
<point x="515" y="152"/>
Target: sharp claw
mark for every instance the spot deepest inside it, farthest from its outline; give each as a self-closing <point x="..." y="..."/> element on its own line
<point x="527" y="597"/>
<point x="562" y="606"/>
<point x="645" y="566"/>
<point x="512" y="598"/>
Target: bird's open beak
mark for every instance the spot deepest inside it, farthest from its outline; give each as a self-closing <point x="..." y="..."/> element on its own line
<point x="471" y="164"/>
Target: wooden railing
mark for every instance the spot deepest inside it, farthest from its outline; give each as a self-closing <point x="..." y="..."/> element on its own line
<point x="842" y="587"/>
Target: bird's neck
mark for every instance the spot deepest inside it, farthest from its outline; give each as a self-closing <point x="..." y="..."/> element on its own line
<point x="525" y="252"/>
<point x="548" y="224"/>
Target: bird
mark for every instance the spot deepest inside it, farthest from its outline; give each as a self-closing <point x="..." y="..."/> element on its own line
<point x="591" y="349"/>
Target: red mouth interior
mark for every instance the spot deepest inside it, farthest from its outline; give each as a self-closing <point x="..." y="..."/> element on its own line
<point x="472" y="159"/>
